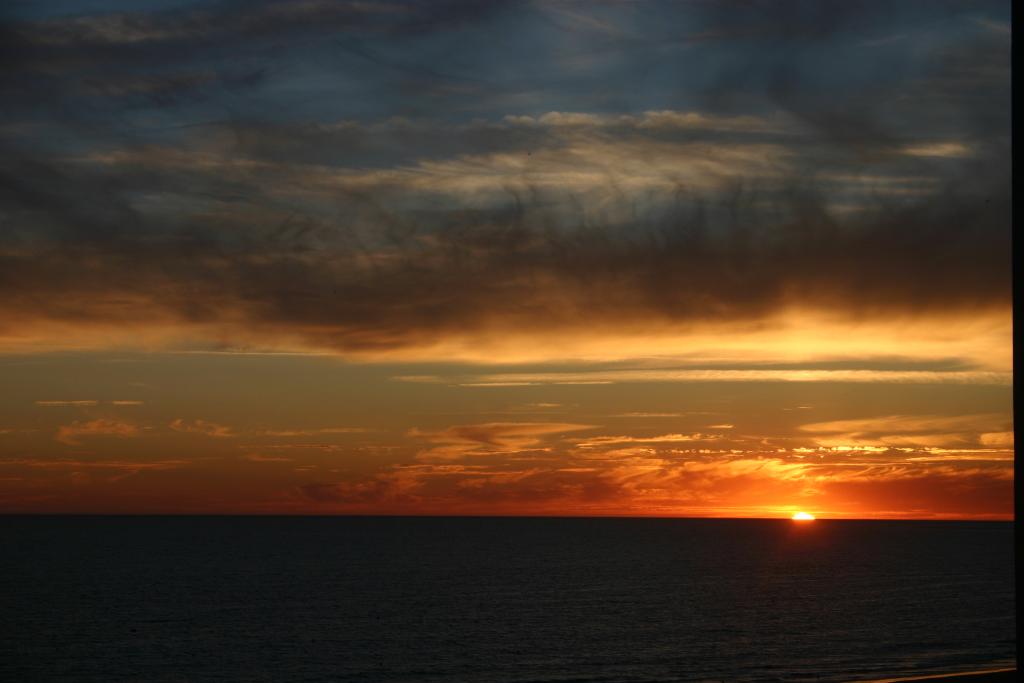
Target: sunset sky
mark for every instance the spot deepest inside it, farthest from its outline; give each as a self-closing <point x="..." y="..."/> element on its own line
<point x="543" y="258"/>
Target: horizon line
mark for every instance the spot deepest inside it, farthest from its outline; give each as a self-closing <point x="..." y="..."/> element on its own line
<point x="496" y="516"/>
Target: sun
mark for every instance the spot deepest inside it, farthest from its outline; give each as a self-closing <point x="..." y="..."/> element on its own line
<point x="803" y="517"/>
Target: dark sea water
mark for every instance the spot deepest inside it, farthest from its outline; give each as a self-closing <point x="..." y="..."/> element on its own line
<point x="491" y="599"/>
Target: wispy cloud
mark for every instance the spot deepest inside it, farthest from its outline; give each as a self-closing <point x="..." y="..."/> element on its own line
<point x="86" y="403"/>
<point x="201" y="427"/>
<point x="939" y="431"/>
<point x="643" y="414"/>
<point x="131" y="465"/>
<point x="938" y="149"/>
<point x="256" y="457"/>
<point x="71" y="434"/>
<point x="489" y="438"/>
<point x="718" y="375"/>
<point x="600" y="441"/>
<point x="315" y="432"/>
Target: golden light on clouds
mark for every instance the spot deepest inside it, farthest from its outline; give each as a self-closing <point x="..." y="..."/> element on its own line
<point x="980" y="341"/>
<point x="490" y="295"/>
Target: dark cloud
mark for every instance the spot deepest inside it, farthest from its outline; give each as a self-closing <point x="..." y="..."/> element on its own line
<point x="91" y="67"/>
<point x="155" y="169"/>
<point x="419" y="276"/>
<point x="220" y="20"/>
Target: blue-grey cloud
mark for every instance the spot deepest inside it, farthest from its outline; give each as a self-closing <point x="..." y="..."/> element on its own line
<point x="373" y="175"/>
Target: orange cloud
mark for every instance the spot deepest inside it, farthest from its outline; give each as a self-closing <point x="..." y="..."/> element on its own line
<point x="70" y="434"/>
<point x="98" y="464"/>
<point x="314" y="432"/>
<point x="997" y="439"/>
<point x="663" y="438"/>
<point x="524" y="475"/>
<point x="489" y="438"/>
<point x="84" y="403"/>
<point x="201" y="427"/>
<point x="256" y="457"/>
<point x="920" y="431"/>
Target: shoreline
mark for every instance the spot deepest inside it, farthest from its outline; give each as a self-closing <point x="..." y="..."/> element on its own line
<point x="1003" y="675"/>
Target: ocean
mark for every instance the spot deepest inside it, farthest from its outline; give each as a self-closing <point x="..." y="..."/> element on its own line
<point x="500" y="600"/>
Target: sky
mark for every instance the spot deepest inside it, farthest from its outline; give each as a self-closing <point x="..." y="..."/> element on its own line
<point x="732" y="258"/>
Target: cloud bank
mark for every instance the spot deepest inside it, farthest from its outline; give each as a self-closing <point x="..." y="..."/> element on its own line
<point x="173" y="178"/>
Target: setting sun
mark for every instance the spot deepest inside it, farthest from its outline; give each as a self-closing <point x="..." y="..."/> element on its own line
<point x="803" y="517"/>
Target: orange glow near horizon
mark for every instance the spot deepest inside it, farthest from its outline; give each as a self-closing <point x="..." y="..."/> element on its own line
<point x="803" y="517"/>
<point x="210" y="434"/>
